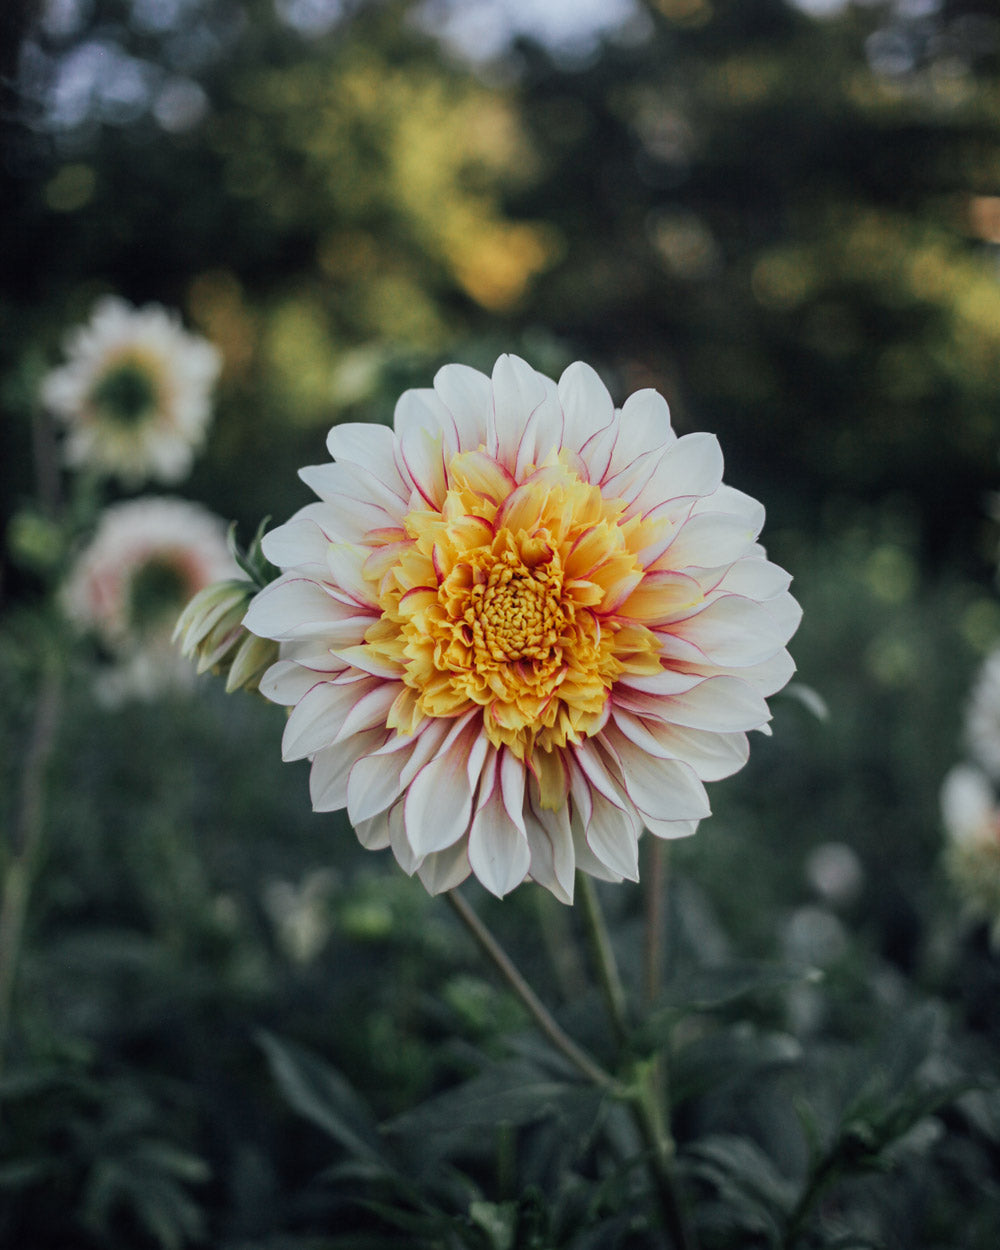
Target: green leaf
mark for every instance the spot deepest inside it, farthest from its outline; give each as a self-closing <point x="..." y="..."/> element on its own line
<point x="510" y="1093"/>
<point x="706" y="989"/>
<point x="318" y="1092"/>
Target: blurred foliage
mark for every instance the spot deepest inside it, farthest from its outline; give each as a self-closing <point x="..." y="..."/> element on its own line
<point x="231" y="1026"/>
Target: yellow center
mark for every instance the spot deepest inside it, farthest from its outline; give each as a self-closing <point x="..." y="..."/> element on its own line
<point x="506" y="598"/>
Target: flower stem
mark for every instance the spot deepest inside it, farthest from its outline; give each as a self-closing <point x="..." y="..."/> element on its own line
<point x="604" y="959"/>
<point x="652" y="953"/>
<point x="645" y="1095"/>
<point x="584" y="1064"/>
<point x="646" y="1112"/>
<point x="20" y="868"/>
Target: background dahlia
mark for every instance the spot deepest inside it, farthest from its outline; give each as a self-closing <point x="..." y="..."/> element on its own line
<point x="134" y="393"/>
<point x="147" y="558"/>
<point x="522" y="626"/>
<point x="971" y="816"/>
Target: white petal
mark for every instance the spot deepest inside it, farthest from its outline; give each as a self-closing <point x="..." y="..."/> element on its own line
<point x="347" y="519"/>
<point x="771" y="675"/>
<point x="300" y="541"/>
<point x="369" y="661"/>
<point x="298" y="607"/>
<point x="671" y="828"/>
<point x="375" y="781"/>
<point x="468" y="395"/>
<point x="332" y="766"/>
<point x="733" y="631"/>
<point x="422" y="409"/>
<point x="587" y="406"/>
<point x="666" y="682"/>
<point x="630" y="482"/>
<point x="421" y="458"/>
<point x="345" y="562"/>
<point x="786" y="612"/>
<point x="665" y="789"/>
<point x="729" y="499"/>
<point x="710" y="539"/>
<point x="756" y="579"/>
<point x="613" y="836"/>
<point x="517" y="392"/>
<point x="644" y="427"/>
<point x="498" y="849"/>
<point x="723" y="704"/>
<point x="370" y="446"/>
<point x="370" y="711"/>
<point x="374" y="834"/>
<point x="550" y="841"/>
<point x="586" y="860"/>
<point x="430" y="738"/>
<point x="343" y="480"/>
<point x="398" y="841"/>
<point x="439" y="803"/>
<point x="543" y="433"/>
<point x="711" y="755"/>
<point x="316" y="718"/>
<point x="512" y="779"/>
<point x="286" y="682"/>
<point x="691" y="466"/>
<point x="445" y="869"/>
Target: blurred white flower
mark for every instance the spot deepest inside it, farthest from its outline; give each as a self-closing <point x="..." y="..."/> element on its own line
<point x="301" y="914"/>
<point x="146" y="560"/>
<point x="971" y="818"/>
<point x="982" y="717"/>
<point x="835" y="873"/>
<point x="134" y="393"/>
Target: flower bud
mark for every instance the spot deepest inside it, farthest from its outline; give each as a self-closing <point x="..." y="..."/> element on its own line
<point x="210" y="629"/>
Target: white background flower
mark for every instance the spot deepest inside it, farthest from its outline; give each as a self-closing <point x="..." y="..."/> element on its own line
<point x="147" y="557"/>
<point x="522" y="626"/>
<point x="134" y="393"/>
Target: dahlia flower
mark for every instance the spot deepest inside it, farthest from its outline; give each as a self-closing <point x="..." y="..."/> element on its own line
<point x="147" y="558"/>
<point x="520" y="627"/>
<point x="134" y="394"/>
<point x="971" y="818"/>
